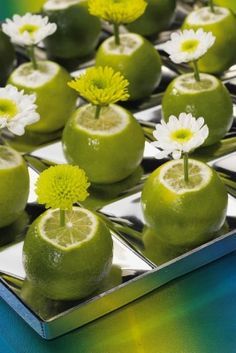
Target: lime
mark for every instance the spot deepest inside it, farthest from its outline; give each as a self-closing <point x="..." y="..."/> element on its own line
<point x="222" y="24"/>
<point x="208" y="98"/>
<point x="110" y="148"/>
<point x="156" y="18"/>
<point x="55" y="100"/>
<point x="67" y="263"/>
<point x="77" y="32"/>
<point x="230" y="4"/>
<point x="14" y="181"/>
<point x="7" y="57"/>
<point x="183" y="213"/>
<point x="136" y="59"/>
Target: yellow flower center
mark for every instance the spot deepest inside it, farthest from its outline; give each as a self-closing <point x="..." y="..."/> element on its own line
<point x="8" y="108"/>
<point x="182" y="135"/>
<point x="190" y="45"/>
<point x="31" y="29"/>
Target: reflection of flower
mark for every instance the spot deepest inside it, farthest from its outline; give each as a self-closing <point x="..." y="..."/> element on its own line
<point x="101" y="86"/>
<point x="17" y="109"/>
<point x="187" y="46"/>
<point x="122" y="11"/>
<point x="180" y="135"/>
<point x="29" y="29"/>
<point x="61" y="186"/>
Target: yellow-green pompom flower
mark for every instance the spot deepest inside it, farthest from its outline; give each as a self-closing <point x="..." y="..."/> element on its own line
<point x="101" y="86"/>
<point x="117" y="12"/>
<point x="120" y="12"/>
<point x="61" y="186"/>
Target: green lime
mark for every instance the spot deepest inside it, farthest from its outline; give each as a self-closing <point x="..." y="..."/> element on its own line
<point x="136" y="59"/>
<point x="156" y="18"/>
<point x="105" y="148"/>
<point x="184" y="214"/>
<point x="77" y="32"/>
<point x="55" y="100"/>
<point x="14" y="181"/>
<point x="207" y="98"/>
<point x="7" y="57"/>
<point x="67" y="263"/>
<point x="230" y="4"/>
<point x="222" y="24"/>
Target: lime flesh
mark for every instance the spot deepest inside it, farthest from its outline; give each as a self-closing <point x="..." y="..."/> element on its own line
<point x="184" y="94"/>
<point x="14" y="181"/>
<point x="55" y="100"/>
<point x="105" y="148"/>
<point x="67" y="263"/>
<point x="182" y="214"/>
<point x="136" y="59"/>
<point x="222" y="24"/>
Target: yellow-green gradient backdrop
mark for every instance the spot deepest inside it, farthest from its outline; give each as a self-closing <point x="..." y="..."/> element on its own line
<point x="10" y="7"/>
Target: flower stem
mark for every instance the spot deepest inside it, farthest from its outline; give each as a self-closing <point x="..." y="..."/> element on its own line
<point x="62" y="218"/>
<point x="186" y="179"/>
<point x="211" y="4"/>
<point x="196" y="71"/>
<point x="117" y="34"/>
<point x="31" y="54"/>
<point x="98" y="111"/>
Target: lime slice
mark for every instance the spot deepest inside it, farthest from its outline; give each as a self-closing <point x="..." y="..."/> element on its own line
<point x="113" y="120"/>
<point x="55" y="100"/>
<point x="81" y="225"/>
<point x="25" y="75"/>
<point x="9" y="158"/>
<point x="173" y="177"/>
<point x="182" y="213"/>
<point x="187" y="83"/>
<point x="14" y="181"/>
<point x="231" y="4"/>
<point x="207" y="98"/>
<point x="104" y="147"/>
<point x="204" y="16"/>
<point x="128" y="44"/>
<point x="133" y="52"/>
<point x="222" y="24"/>
<point x="74" y="260"/>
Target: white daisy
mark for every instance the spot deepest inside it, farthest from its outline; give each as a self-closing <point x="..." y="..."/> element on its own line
<point x="180" y="135"/>
<point x="188" y="45"/>
<point x="17" y="109"/>
<point x="29" y="29"/>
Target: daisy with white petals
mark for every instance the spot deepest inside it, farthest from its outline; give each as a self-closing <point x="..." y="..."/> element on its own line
<point x="188" y="46"/>
<point x="28" y="30"/>
<point x="179" y="137"/>
<point x="17" y="110"/>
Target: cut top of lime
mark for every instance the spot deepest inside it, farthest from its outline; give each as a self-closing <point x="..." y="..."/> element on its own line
<point x="113" y="119"/>
<point x="9" y="158"/>
<point x="52" y="5"/>
<point x="172" y="176"/>
<point x="187" y="83"/>
<point x="129" y="43"/>
<point x="81" y="226"/>
<point x="25" y="75"/>
<point x="205" y="16"/>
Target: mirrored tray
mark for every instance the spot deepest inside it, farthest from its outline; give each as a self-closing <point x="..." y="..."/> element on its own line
<point x="140" y="264"/>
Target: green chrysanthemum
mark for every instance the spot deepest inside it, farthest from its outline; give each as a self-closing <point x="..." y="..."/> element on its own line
<point x="117" y="11"/>
<point x="62" y="186"/>
<point x="101" y="86"/>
